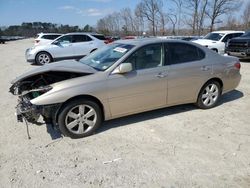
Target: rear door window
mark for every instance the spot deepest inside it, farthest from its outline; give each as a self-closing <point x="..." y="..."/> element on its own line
<point x="100" y="37"/>
<point x="81" y="38"/>
<point x="176" y="53"/>
<point x="50" y="37"/>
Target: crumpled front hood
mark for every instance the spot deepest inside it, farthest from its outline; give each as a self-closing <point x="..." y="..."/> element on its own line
<point x="204" y="42"/>
<point x="63" y="66"/>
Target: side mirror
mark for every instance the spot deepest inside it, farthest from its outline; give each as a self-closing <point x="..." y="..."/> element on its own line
<point x="123" y="68"/>
<point x="56" y="42"/>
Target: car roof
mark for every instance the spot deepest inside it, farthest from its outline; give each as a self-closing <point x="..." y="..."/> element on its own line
<point x="228" y="31"/>
<point x="79" y="33"/>
<point x="49" y="34"/>
<point x="145" y="41"/>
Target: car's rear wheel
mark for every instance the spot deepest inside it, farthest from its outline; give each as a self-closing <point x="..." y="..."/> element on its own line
<point x="209" y="95"/>
<point x="79" y="118"/>
<point x="43" y="58"/>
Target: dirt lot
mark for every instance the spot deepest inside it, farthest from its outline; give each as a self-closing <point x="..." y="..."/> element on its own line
<point x="174" y="147"/>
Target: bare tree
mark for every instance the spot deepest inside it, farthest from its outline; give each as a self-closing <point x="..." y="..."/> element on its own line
<point x="163" y="19"/>
<point x="150" y="10"/>
<point x="128" y="20"/>
<point x="179" y="8"/>
<point x="216" y="8"/>
<point x="139" y="20"/>
<point x="246" y="16"/>
<point x="173" y="19"/>
<point x="196" y="9"/>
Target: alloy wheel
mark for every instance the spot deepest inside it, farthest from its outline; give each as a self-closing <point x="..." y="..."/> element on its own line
<point x="210" y="94"/>
<point x="81" y="119"/>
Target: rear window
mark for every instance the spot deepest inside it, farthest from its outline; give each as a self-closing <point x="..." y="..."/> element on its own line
<point x="100" y="37"/>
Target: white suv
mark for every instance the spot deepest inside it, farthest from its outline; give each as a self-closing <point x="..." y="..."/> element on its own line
<point x="46" y="38"/>
<point x="68" y="46"/>
<point x="217" y="40"/>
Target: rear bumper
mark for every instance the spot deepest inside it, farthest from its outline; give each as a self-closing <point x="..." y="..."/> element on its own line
<point x="29" y="57"/>
<point x="241" y="53"/>
<point x="232" y="83"/>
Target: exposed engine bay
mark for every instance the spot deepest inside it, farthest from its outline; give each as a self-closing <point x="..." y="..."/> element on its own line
<point x="34" y="86"/>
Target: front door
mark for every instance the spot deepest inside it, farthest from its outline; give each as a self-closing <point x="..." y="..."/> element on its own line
<point x="142" y="89"/>
<point x="63" y="48"/>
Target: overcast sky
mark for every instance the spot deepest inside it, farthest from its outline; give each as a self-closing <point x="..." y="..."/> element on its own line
<point x="72" y="12"/>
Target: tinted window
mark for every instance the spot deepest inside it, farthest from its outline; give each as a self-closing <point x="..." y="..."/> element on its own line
<point x="50" y="37"/>
<point x="237" y="34"/>
<point x="100" y="37"/>
<point x="180" y="53"/>
<point x="146" y="57"/>
<point x="81" y="38"/>
<point x="247" y="34"/>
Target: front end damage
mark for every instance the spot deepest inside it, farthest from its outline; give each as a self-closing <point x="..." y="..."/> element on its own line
<point x="31" y="87"/>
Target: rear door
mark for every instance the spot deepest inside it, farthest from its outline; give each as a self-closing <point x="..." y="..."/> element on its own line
<point x="187" y="71"/>
<point x="82" y="44"/>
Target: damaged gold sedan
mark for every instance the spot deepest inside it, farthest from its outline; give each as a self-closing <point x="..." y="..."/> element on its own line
<point x="123" y="78"/>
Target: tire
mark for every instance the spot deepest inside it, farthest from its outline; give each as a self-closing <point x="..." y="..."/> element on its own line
<point x="209" y="95"/>
<point x="79" y="118"/>
<point x="43" y="58"/>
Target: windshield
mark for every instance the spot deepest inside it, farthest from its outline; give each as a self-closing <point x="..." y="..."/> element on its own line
<point x="214" y="36"/>
<point x="106" y="56"/>
<point x="247" y="34"/>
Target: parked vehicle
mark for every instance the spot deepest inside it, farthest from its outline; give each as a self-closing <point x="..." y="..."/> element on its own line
<point x="123" y="78"/>
<point x="46" y="38"/>
<point x="240" y="46"/>
<point x="217" y="40"/>
<point x="2" y="40"/>
<point x="68" y="46"/>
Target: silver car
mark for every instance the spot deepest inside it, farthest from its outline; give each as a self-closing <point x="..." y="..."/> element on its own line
<point x="123" y="78"/>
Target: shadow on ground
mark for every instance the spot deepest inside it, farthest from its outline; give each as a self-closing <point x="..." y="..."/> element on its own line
<point x="228" y="97"/>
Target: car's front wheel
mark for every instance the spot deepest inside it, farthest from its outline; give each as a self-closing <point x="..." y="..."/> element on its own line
<point x="43" y="58"/>
<point x="79" y="118"/>
<point x="209" y="95"/>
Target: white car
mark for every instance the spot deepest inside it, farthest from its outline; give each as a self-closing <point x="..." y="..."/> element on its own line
<point x="68" y="46"/>
<point x="217" y="40"/>
<point x="46" y="38"/>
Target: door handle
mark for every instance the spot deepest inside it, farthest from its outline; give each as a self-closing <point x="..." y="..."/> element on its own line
<point x="205" y="68"/>
<point x="160" y="75"/>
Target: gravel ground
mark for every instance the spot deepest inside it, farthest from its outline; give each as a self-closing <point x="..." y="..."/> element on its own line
<point x="173" y="147"/>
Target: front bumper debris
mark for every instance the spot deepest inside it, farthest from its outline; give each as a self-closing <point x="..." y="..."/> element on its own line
<point x="30" y="112"/>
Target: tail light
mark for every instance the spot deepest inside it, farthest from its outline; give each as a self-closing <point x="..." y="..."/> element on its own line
<point x="37" y="41"/>
<point x="237" y="65"/>
<point x="106" y="41"/>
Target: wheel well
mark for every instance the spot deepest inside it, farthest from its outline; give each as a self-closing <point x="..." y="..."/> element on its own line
<point x="88" y="97"/>
<point x="45" y="52"/>
<point x="212" y="79"/>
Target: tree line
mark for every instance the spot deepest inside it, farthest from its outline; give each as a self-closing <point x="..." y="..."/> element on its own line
<point x="30" y="29"/>
<point x="155" y="17"/>
<point x="177" y="17"/>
